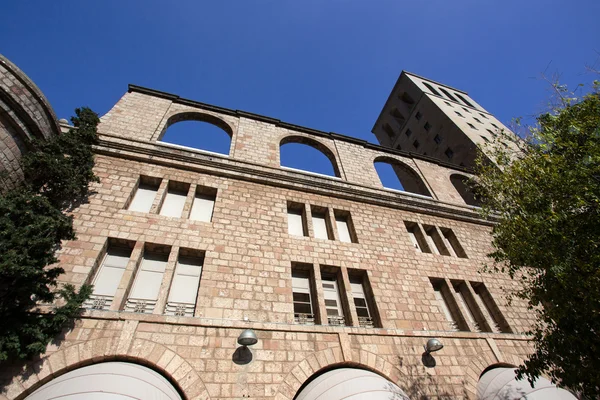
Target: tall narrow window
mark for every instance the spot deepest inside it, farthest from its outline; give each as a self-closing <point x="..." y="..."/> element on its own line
<point x="204" y="204"/>
<point x="434" y="241"/>
<point x="447" y="305"/>
<point x="431" y="89"/>
<point x="344" y="226"/>
<point x="302" y="294"/>
<point x="427" y="126"/>
<point x="416" y="237"/>
<point x="296" y="219"/>
<point x="467" y="304"/>
<point x="333" y="303"/>
<point x="110" y="272"/>
<point x="467" y="102"/>
<point x="174" y="201"/>
<point x="321" y="225"/>
<point x="361" y="301"/>
<point x="145" y="194"/>
<point x="448" y="94"/>
<point x="452" y="243"/>
<point x="185" y="284"/>
<point x="146" y="286"/>
<point x="489" y="308"/>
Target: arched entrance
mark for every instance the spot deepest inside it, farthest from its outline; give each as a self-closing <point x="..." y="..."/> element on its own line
<point x="108" y="381"/>
<point x="350" y="384"/>
<point x="501" y="384"/>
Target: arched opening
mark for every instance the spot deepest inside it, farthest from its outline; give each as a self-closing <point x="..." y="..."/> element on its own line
<point x="299" y="152"/>
<point x="198" y="131"/>
<point x="394" y="174"/>
<point x="499" y="382"/>
<point x="463" y="186"/>
<point x="344" y="383"/>
<point x="106" y="381"/>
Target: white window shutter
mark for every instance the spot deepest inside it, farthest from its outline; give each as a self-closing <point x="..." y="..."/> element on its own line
<point x="143" y="198"/>
<point x="202" y="208"/>
<point x="343" y="229"/>
<point x="110" y="272"/>
<point x="173" y="204"/>
<point x="146" y="287"/>
<point x="320" y="226"/>
<point x="295" y="225"/>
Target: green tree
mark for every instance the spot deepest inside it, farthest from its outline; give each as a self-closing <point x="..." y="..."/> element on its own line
<point x="546" y="197"/>
<point x="33" y="223"/>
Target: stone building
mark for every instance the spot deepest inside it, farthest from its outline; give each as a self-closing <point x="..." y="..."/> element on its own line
<point x="341" y="281"/>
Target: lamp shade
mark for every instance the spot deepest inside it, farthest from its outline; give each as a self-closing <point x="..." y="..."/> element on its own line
<point x="247" y="338"/>
<point x="433" y="345"/>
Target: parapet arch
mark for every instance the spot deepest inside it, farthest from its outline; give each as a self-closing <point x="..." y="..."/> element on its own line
<point x="410" y="179"/>
<point x="196" y="116"/>
<point x="316" y="144"/>
<point x="461" y="184"/>
<point x="174" y="368"/>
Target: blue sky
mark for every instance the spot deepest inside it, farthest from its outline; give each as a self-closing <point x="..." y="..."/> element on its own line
<point x="328" y="65"/>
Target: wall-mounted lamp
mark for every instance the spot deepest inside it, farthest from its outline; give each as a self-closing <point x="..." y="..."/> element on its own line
<point x="433" y="345"/>
<point x="247" y="338"/>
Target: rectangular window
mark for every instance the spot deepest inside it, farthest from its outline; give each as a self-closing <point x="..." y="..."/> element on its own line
<point x="345" y="228"/>
<point x="144" y="194"/>
<point x="467" y="102"/>
<point x="483" y="116"/>
<point x="448" y="94"/>
<point x="471" y="125"/>
<point x="427" y="126"/>
<point x="449" y="153"/>
<point x="489" y="308"/>
<point x="362" y="302"/>
<point x="491" y="133"/>
<point x="416" y="237"/>
<point x="435" y="242"/>
<point x="204" y="204"/>
<point x="185" y="284"/>
<point x="448" y="104"/>
<point x="107" y="279"/>
<point x="495" y="126"/>
<point x="321" y="224"/>
<point x="447" y="305"/>
<point x="146" y="286"/>
<point x="459" y="114"/>
<point x="333" y="303"/>
<point x="437" y="139"/>
<point x="452" y="243"/>
<point x="477" y="119"/>
<point x="416" y="144"/>
<point x="468" y="306"/>
<point x="418" y="115"/>
<point x="465" y="110"/>
<point x="302" y="293"/>
<point x="174" y="201"/>
<point x="296" y="219"/>
<point x="408" y="132"/>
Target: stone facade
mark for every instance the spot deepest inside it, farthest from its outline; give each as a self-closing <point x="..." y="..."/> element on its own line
<point x="246" y="279"/>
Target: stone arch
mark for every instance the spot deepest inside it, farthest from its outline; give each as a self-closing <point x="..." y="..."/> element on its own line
<point x="314" y="144"/>
<point x="410" y="180"/>
<point x="328" y="359"/>
<point x="144" y="352"/>
<point x="477" y="366"/>
<point x="199" y="117"/>
<point x="462" y="186"/>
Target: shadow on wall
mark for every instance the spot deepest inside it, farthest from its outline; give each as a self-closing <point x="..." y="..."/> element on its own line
<point x="419" y="384"/>
<point x="463" y="186"/>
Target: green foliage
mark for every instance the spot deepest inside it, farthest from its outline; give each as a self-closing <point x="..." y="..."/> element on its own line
<point x="33" y="223"/>
<point x="546" y="196"/>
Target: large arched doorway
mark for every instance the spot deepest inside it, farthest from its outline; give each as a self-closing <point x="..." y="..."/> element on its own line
<point x="108" y="381"/>
<point x="350" y="384"/>
<point x="500" y="383"/>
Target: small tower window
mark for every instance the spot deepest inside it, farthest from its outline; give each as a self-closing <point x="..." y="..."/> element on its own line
<point x="437" y="139"/>
<point x="418" y="115"/>
<point x="427" y="126"/>
<point x="449" y="153"/>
